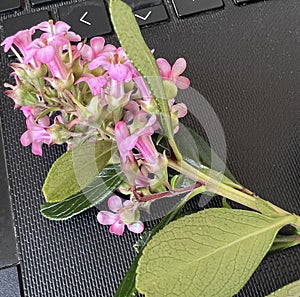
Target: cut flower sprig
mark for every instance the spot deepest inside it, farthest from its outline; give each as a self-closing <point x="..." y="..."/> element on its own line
<point x="116" y="111"/>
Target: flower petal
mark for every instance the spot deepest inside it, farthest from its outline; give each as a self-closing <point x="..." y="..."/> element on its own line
<point x="117" y="228"/>
<point x="8" y="43"/>
<point x="107" y="218"/>
<point x="118" y="72"/>
<point x="181" y="109"/>
<point x="182" y="82"/>
<point x="164" y="67"/>
<point x="137" y="227"/>
<point x="46" y="54"/>
<point x="128" y="203"/>
<point x="114" y="203"/>
<point x="61" y="27"/>
<point x="97" y="44"/>
<point x="178" y="68"/>
<point x="26" y="138"/>
<point x="36" y="148"/>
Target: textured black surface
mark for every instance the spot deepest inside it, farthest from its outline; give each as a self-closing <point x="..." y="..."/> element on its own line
<point x="9" y="282"/>
<point x="8" y="249"/>
<point x="245" y="61"/>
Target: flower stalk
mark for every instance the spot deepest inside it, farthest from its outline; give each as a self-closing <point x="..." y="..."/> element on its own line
<point x="239" y="195"/>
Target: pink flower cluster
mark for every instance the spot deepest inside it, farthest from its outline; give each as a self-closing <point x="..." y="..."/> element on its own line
<point x="70" y="91"/>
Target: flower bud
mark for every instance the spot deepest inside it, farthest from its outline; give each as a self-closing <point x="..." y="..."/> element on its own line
<point x="61" y="84"/>
<point x="59" y="133"/>
<point x="170" y="89"/>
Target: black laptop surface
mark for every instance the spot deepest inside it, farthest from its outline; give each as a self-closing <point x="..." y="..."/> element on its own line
<point x="243" y="56"/>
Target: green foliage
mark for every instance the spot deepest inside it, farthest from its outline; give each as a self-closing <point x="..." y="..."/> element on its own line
<point x="132" y="41"/>
<point x="76" y="169"/>
<point x="291" y="290"/>
<point x="283" y="242"/>
<point x="101" y="188"/>
<point x="196" y="150"/>
<point x="209" y="253"/>
<point x="127" y="287"/>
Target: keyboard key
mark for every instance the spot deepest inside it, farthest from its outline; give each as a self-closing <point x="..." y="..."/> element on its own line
<point x="187" y="7"/>
<point x="40" y="2"/>
<point x="243" y="1"/>
<point x="15" y="24"/>
<point x="6" y="5"/>
<point x="87" y="18"/>
<point x="138" y="4"/>
<point x="151" y="15"/>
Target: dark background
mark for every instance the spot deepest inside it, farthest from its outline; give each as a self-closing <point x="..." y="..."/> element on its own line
<point x="245" y="61"/>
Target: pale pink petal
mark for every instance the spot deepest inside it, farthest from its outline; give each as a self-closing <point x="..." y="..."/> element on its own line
<point x="121" y="131"/>
<point x="127" y="203"/>
<point x="97" y="44"/>
<point x="61" y="27"/>
<point x="43" y="26"/>
<point x="178" y="68"/>
<point x="107" y="218"/>
<point x="109" y="48"/>
<point x="118" y="72"/>
<point x="182" y="82"/>
<point x="8" y="43"/>
<point x="164" y="67"/>
<point x="181" y="109"/>
<point x="114" y="203"/>
<point x="99" y="61"/>
<point x="46" y="54"/>
<point x="137" y="227"/>
<point x="117" y="228"/>
<point x="86" y="52"/>
<point x="96" y="84"/>
<point x="44" y="121"/>
<point x="36" y="148"/>
<point x="143" y="87"/>
<point x="127" y="145"/>
<point x="26" y="111"/>
<point x="26" y="138"/>
<point x="71" y="36"/>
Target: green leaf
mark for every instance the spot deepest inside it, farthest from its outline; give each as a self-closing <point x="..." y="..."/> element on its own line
<point x="283" y="242"/>
<point x="127" y="287"/>
<point x="132" y="41"/>
<point x="225" y="203"/>
<point x="76" y="169"/>
<point x="291" y="290"/>
<point x="266" y="208"/>
<point x="209" y="253"/>
<point x="102" y="187"/>
<point x="195" y="149"/>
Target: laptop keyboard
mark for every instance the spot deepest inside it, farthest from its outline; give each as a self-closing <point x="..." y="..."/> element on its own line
<point x="87" y="20"/>
<point x="6" y="5"/>
<point x="90" y="18"/>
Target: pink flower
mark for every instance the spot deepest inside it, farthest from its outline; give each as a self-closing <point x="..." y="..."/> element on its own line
<point x="180" y="108"/>
<point x="128" y="162"/>
<point x="48" y="53"/>
<point x="97" y="47"/>
<point x="141" y="138"/>
<point x="126" y="214"/>
<point x="36" y="133"/>
<point x="58" y="32"/>
<point x="121" y="134"/>
<point x="115" y="63"/>
<point x="174" y="73"/>
<point x="21" y="39"/>
<point x="96" y="83"/>
<point x="49" y="47"/>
